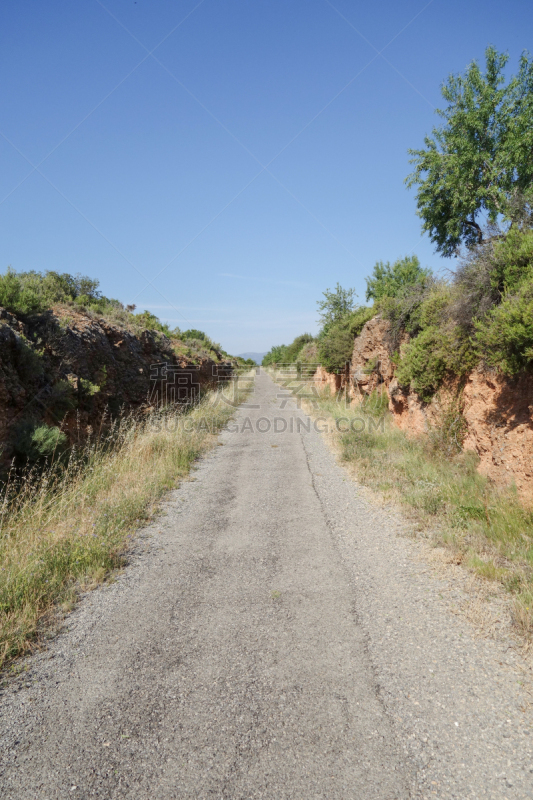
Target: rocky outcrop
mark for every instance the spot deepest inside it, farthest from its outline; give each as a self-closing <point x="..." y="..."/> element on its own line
<point x="70" y="369"/>
<point x="371" y="365"/>
<point x="324" y="380"/>
<point x="498" y="411"/>
<point x="499" y="417"/>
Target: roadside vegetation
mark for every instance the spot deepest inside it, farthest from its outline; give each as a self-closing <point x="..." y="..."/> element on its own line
<point x="65" y="526"/>
<point x="341" y="320"/>
<point x="31" y="293"/>
<point x="69" y="501"/>
<point x="485" y="528"/>
<point x="474" y="181"/>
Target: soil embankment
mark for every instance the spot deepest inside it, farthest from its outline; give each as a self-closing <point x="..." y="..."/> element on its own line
<point x="498" y="412"/>
<point x="67" y="368"/>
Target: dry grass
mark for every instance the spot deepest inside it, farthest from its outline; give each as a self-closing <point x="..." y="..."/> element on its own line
<point x="485" y="528"/>
<point x="65" y="529"/>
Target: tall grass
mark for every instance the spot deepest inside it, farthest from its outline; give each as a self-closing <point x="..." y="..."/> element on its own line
<point x="64" y="529"/>
<point x="486" y="527"/>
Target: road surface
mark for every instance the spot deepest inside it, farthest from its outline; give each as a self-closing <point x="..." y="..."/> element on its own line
<point x="274" y="636"/>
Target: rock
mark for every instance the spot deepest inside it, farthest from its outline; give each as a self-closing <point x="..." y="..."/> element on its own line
<point x="66" y="368"/>
<point x="498" y="411"/>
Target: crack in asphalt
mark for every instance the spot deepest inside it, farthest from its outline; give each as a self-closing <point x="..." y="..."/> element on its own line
<point x="273" y="636"/>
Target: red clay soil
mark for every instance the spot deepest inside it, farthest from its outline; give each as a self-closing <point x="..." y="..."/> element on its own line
<point x="498" y="411"/>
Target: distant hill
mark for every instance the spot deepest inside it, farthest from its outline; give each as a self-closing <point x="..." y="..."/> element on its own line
<point x="257" y="357"/>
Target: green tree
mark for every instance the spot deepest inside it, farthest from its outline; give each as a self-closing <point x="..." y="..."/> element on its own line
<point x="480" y="160"/>
<point x="335" y="305"/>
<point x="194" y="333"/>
<point x="276" y="355"/>
<point x="391" y="280"/>
<point x="294" y="348"/>
<point x="335" y="347"/>
<point x="17" y="297"/>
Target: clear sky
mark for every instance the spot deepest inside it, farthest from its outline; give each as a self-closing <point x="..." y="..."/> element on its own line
<point x="222" y="162"/>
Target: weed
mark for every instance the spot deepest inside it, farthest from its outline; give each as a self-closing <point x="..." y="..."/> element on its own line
<point x="67" y="527"/>
<point x="37" y="442"/>
<point x="486" y="527"/>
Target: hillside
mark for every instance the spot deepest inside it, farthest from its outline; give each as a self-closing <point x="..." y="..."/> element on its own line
<point x="72" y="360"/>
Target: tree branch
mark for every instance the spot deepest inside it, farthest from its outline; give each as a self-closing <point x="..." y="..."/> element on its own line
<point x="474" y="225"/>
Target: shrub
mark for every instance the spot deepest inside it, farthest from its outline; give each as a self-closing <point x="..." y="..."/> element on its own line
<point x="308" y="355"/>
<point x="359" y="318"/>
<point x="404" y="311"/>
<point x="437" y="351"/>
<point x="193" y="333"/>
<point x="335" y="306"/>
<point x="37" y="442"/>
<point x="424" y="362"/>
<point x="15" y="297"/>
<point x="505" y="335"/>
<point x="391" y="280"/>
<point x="490" y="271"/>
<point x="335" y="346"/>
<point x="150" y="322"/>
<point x="512" y="260"/>
<point x="290" y="354"/>
<point x="293" y="350"/>
<point x="475" y="293"/>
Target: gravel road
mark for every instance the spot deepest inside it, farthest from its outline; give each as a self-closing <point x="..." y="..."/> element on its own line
<point x="273" y="636"/>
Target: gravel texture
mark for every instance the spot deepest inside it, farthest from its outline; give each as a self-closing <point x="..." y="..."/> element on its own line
<point x="274" y="636"/>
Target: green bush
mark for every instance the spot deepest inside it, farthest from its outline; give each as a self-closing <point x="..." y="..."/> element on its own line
<point x="437" y="351"/>
<point x="33" y="292"/>
<point x="404" y="310"/>
<point x="299" y="350"/>
<point x="335" y="347"/>
<point x="193" y="333"/>
<point x="150" y="322"/>
<point x="359" y="318"/>
<point x="16" y="297"/>
<point x="391" y="280"/>
<point x="441" y="346"/>
<point x="335" y="306"/>
<point x="38" y="442"/>
<point x="505" y="335"/>
<point x="293" y="350"/>
<point x="276" y="355"/>
<point x="308" y="355"/>
<point x="512" y="260"/>
<point x="424" y="362"/>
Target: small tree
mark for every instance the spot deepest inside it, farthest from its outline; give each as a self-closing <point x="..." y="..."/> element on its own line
<point x="336" y="305"/>
<point x="193" y="333"/>
<point x="481" y="160"/>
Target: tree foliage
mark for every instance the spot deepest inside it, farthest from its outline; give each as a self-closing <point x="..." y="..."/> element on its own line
<point x="505" y="336"/>
<point x="335" y="305"/>
<point x="391" y="280"/>
<point x="480" y="161"/>
<point x="335" y="348"/>
<point x="289" y="354"/>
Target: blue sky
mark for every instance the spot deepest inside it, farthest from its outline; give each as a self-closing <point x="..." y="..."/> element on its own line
<point x="221" y="163"/>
